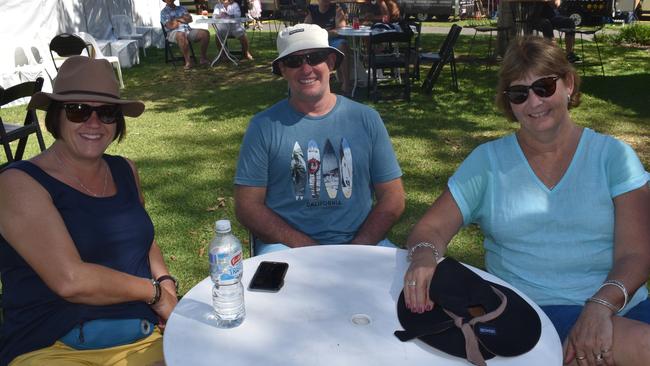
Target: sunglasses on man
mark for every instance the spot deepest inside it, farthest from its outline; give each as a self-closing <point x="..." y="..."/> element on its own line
<point x="80" y="112"/>
<point x="312" y="58"/>
<point x="544" y="87"/>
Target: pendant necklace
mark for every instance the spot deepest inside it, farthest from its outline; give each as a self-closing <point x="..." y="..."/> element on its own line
<point x="58" y="159"/>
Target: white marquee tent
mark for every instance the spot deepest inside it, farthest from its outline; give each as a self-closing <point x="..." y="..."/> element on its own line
<point x="29" y="25"/>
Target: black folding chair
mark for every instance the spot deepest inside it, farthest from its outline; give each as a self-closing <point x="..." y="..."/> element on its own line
<point x="66" y="45"/>
<point x="390" y="51"/>
<point x="169" y="53"/>
<point x="443" y="56"/>
<point x="590" y="31"/>
<point x="12" y="132"/>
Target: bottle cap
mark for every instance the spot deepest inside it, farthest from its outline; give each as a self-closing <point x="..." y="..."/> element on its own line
<point x="222" y="226"/>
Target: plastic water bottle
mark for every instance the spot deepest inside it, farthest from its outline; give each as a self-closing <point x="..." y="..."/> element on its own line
<point x="226" y="269"/>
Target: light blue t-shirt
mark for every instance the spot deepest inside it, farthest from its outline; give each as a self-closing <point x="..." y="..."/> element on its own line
<point x="554" y="245"/>
<point x="318" y="171"/>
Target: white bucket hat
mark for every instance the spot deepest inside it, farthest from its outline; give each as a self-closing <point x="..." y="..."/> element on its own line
<point x="302" y="37"/>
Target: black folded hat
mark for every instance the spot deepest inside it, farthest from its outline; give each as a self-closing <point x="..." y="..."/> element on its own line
<point x="472" y="318"/>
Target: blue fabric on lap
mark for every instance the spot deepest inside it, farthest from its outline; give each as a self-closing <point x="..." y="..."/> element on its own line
<point x="564" y="317"/>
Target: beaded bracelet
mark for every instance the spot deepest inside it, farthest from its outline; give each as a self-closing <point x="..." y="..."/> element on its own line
<point x="424" y="244"/>
<point x="598" y="300"/>
<point x="170" y="278"/>
<point x="620" y="285"/>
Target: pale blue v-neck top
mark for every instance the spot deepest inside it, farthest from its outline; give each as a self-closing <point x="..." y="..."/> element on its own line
<point x="554" y="245"/>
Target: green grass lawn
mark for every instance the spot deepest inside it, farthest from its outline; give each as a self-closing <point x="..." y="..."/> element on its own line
<point x="187" y="142"/>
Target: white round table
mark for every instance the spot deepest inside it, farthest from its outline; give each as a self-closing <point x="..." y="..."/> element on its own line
<point x="214" y="22"/>
<point x="310" y="320"/>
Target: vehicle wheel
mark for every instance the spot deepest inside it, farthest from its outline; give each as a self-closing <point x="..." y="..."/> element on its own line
<point x="422" y="17"/>
<point x="577" y="17"/>
<point x="443" y="17"/>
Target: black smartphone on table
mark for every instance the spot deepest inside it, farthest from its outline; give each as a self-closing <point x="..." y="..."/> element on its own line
<point x="269" y="276"/>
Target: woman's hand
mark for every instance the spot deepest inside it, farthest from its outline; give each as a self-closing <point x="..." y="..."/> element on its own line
<point x="166" y="304"/>
<point x="590" y="339"/>
<point x="417" y="280"/>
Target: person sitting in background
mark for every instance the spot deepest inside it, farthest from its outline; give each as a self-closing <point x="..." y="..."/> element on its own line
<point x="83" y="280"/>
<point x="230" y="9"/>
<point x="551" y="19"/>
<point x="316" y="168"/>
<point x="394" y="14"/>
<point x="564" y="211"/>
<point x="176" y="21"/>
<point x="255" y="13"/>
<point x="384" y="11"/>
<point x="331" y="17"/>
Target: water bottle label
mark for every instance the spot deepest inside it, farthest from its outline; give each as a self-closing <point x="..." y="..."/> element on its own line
<point x="227" y="267"/>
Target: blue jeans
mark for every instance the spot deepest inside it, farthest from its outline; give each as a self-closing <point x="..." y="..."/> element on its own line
<point x="268" y="248"/>
<point x="564" y="317"/>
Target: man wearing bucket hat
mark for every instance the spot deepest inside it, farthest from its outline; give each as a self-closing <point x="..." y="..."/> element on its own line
<point x="72" y="226"/>
<point x="309" y="165"/>
<point x="331" y="17"/>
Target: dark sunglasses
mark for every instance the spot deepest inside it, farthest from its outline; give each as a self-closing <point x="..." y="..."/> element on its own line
<point x="544" y="87"/>
<point x="312" y="58"/>
<point x="80" y="112"/>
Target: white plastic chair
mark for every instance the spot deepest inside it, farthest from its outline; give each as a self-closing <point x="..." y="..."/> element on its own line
<point x="97" y="53"/>
<point x="30" y="65"/>
<point x="125" y="29"/>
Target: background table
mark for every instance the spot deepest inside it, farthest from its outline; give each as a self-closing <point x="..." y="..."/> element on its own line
<point x="311" y="320"/>
<point x="214" y="22"/>
<point x="355" y="35"/>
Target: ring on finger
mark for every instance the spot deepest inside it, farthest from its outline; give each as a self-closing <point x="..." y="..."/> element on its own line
<point x="410" y="283"/>
<point x="580" y="358"/>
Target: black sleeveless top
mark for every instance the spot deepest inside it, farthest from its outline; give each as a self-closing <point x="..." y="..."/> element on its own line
<point x="325" y="20"/>
<point x="115" y="232"/>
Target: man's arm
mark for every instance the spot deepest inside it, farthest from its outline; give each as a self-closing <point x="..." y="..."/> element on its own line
<point x="340" y="21"/>
<point x="175" y="22"/>
<point x="386" y="211"/>
<point x="253" y="213"/>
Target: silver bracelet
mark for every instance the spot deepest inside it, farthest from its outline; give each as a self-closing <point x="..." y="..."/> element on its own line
<point x="424" y="244"/>
<point x="620" y="285"/>
<point x="603" y="302"/>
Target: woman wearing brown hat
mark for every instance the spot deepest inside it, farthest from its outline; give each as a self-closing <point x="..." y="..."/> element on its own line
<point x="80" y="268"/>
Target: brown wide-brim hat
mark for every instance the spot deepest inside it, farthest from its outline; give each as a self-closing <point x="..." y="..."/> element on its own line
<point x="83" y="79"/>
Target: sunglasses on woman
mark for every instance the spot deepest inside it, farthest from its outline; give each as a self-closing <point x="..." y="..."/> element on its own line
<point x="312" y="58"/>
<point x="80" y="112"/>
<point x="544" y="87"/>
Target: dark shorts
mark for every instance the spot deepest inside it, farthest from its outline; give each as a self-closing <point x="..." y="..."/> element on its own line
<point x="564" y="317"/>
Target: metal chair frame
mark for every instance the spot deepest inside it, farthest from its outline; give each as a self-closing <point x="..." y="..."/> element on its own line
<point x="12" y="132"/>
<point x="169" y="53"/>
<point x="443" y="56"/>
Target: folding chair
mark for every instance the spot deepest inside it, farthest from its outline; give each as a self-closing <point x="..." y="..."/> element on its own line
<point x="390" y="51"/>
<point x="169" y="53"/>
<point x="586" y="31"/>
<point x="66" y="45"/>
<point x="439" y="59"/>
<point x="415" y="49"/>
<point x="490" y="29"/>
<point x="12" y="132"/>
